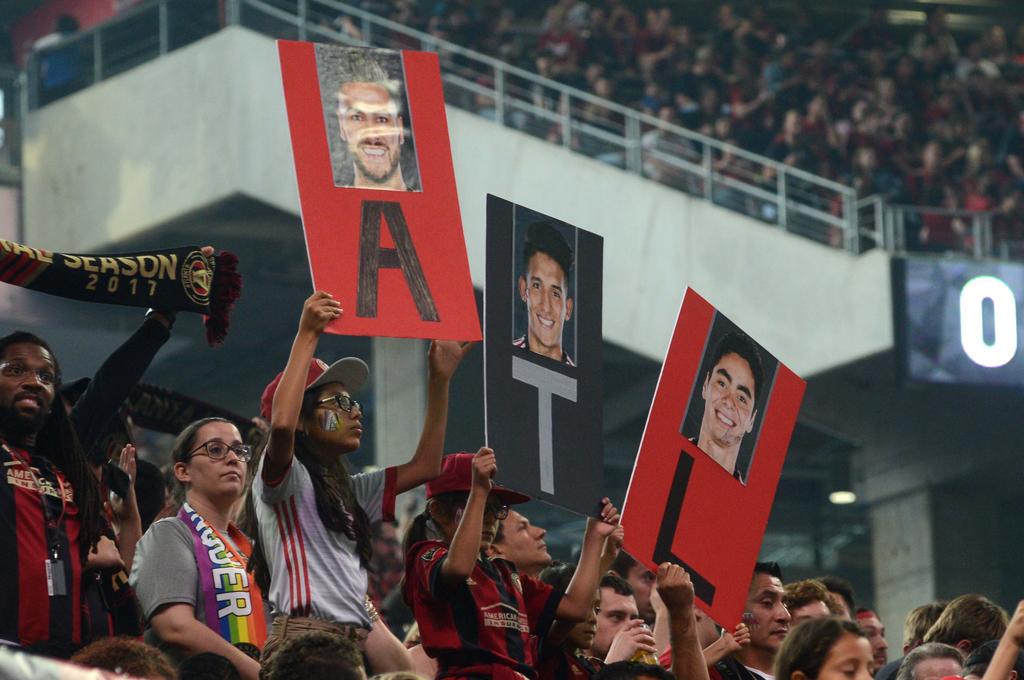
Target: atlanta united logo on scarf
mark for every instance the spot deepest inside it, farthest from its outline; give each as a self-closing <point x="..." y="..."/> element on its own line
<point x="232" y="602"/>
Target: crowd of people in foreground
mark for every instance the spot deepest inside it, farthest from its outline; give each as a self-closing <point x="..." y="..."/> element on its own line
<point x="920" y="115"/>
<point x="256" y="564"/>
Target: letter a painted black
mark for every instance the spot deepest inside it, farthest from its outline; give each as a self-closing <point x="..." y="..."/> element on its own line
<point x="373" y="258"/>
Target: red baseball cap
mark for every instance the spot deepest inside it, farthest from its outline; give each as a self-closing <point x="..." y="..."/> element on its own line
<point x="350" y="372"/>
<point x="457" y="475"/>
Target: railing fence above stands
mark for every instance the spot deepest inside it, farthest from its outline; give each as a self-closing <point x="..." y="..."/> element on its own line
<point x="769" y="191"/>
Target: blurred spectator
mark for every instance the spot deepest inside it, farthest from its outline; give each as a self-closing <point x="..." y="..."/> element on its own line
<point x="59" y="67"/>
<point x="978" y="662"/>
<point x="841" y="591"/>
<point x="807" y="600"/>
<point x="633" y="670"/>
<point x="790" y="146"/>
<point x="824" y="648"/>
<point x="640" y="580"/>
<point x="567" y="657"/>
<point x="388" y="563"/>
<point x="315" y="656"/>
<point x="127" y="656"/>
<point x="1008" y="222"/>
<point x="931" y="661"/>
<point x="968" y="622"/>
<point x="654" y="44"/>
<point x="207" y="666"/>
<point x="874" y="32"/>
<point x="917" y="623"/>
<point x="1011" y="150"/>
<point x="560" y="42"/>
<point x="935" y="34"/>
<point x="868" y="179"/>
<point x="875" y="631"/>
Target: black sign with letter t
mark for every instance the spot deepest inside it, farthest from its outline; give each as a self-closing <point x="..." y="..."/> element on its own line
<point x="543" y="356"/>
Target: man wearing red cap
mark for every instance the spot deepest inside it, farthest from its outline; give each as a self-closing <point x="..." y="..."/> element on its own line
<point x="873" y="628"/>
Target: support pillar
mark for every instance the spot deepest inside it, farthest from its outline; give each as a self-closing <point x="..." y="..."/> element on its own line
<point x="901" y="536"/>
<point x="399" y="373"/>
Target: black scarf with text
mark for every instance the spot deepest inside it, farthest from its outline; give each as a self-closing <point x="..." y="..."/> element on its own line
<point x="175" y="279"/>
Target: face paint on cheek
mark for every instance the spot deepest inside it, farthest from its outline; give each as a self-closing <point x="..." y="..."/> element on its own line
<point x="328" y="421"/>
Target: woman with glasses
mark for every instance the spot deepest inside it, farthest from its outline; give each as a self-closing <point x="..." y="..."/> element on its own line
<point x="313" y="518"/>
<point x="477" y="615"/>
<point x="189" y="572"/>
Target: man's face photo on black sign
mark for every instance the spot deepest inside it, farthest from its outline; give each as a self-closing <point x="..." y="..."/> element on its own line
<point x="544" y="289"/>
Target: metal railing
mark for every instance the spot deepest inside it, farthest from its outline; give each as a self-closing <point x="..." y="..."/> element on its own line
<point x="10" y="126"/>
<point x="735" y="178"/>
<point x="919" y="229"/>
<point x="133" y="37"/>
<point x="760" y="187"/>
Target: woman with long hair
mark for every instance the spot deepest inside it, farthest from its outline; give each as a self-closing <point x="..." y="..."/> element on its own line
<point x="477" y="615"/>
<point x="312" y="517"/>
<point x="825" y="649"/>
<point x="189" y="571"/>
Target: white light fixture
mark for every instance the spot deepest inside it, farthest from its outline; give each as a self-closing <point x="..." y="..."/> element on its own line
<point x="842" y="497"/>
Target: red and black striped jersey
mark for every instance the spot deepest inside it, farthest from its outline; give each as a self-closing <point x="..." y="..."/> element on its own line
<point x="561" y="665"/>
<point x="485" y="622"/>
<point x="28" y="614"/>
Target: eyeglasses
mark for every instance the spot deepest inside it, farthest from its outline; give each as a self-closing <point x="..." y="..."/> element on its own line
<point x="14" y="369"/>
<point x="499" y="510"/>
<point x="342" y="401"/>
<point x="217" y="450"/>
<point x="496" y="510"/>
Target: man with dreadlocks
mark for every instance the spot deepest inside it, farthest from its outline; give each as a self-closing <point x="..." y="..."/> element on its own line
<point x="51" y="524"/>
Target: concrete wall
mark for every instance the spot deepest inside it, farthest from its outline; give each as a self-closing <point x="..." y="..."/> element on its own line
<point x="207" y="122"/>
<point x="176" y="134"/>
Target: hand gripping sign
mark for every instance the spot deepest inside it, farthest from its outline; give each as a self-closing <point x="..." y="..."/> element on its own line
<point x="710" y="458"/>
<point x="377" y="190"/>
<point x="543" y="355"/>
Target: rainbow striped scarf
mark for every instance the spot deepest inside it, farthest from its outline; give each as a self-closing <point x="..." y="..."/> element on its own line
<point x="233" y="603"/>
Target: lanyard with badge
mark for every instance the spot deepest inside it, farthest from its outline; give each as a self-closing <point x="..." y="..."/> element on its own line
<point x="56" y="582"/>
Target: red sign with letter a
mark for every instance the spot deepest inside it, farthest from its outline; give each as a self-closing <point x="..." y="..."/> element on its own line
<point x="710" y="458"/>
<point x="377" y="189"/>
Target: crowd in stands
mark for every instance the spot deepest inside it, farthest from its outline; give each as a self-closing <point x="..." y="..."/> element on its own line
<point x="921" y="116"/>
<point x="918" y="115"/>
<point x="254" y="560"/>
<point x="267" y="558"/>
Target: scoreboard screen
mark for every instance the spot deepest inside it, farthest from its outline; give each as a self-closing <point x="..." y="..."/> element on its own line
<point x="959" y="321"/>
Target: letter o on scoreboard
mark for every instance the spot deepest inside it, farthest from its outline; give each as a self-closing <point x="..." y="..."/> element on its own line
<point x="1000" y="348"/>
